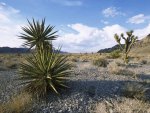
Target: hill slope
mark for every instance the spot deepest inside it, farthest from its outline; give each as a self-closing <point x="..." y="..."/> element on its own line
<point x="141" y="47"/>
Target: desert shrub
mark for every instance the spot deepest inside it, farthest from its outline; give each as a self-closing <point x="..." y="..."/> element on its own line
<point x="84" y="60"/>
<point x="74" y="59"/>
<point x="46" y="69"/>
<point x="18" y="104"/>
<point x="143" y="61"/>
<point x="115" y="54"/>
<point x="134" y="90"/>
<point x="125" y="105"/>
<point x="115" y="68"/>
<point x="101" y="62"/>
<point x="11" y="64"/>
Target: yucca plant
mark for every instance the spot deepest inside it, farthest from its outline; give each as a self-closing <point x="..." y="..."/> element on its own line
<point x="46" y="69"/>
<point x="37" y="34"/>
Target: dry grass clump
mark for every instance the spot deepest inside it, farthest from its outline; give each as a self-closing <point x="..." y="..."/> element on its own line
<point x="73" y="58"/>
<point x="125" y="106"/>
<point x="116" y="68"/>
<point x="18" y="104"/>
<point x="100" y="62"/>
<point x="143" y="61"/>
<point x="134" y="90"/>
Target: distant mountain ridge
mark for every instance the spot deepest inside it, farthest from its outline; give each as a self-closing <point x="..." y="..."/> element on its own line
<point x="13" y="50"/>
<point x="17" y="50"/>
<point x="141" y="46"/>
<point x="108" y="50"/>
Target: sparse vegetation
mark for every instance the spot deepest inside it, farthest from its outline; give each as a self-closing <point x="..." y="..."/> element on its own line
<point x="143" y="61"/>
<point x="124" y="106"/>
<point x="17" y="104"/>
<point x="101" y="62"/>
<point x="115" y="54"/>
<point x="134" y="90"/>
<point x="46" y="71"/>
<point x="117" y="69"/>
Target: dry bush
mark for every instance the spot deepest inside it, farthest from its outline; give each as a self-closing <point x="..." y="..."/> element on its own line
<point x="115" y="54"/>
<point x="125" y="106"/>
<point x="143" y="61"/>
<point x="134" y="90"/>
<point x="100" y="62"/>
<point x="116" y="68"/>
<point x="18" y="104"/>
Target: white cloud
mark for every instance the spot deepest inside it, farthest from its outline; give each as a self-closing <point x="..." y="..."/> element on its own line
<point x="112" y="12"/>
<point x="92" y="39"/>
<point x="142" y="32"/>
<point x="138" y="19"/>
<point x="9" y="26"/>
<point x="68" y="2"/>
<point x="88" y="39"/>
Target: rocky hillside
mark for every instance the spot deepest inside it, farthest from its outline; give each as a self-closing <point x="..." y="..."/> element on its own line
<point x="140" y="47"/>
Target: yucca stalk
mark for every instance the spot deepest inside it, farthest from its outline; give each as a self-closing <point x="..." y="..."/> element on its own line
<point x="45" y="71"/>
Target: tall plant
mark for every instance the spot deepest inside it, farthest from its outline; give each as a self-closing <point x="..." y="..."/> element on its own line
<point x="36" y="34"/>
<point x="46" y="70"/>
<point x="128" y="43"/>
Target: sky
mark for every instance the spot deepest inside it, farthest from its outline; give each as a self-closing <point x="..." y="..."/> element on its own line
<point x="82" y="25"/>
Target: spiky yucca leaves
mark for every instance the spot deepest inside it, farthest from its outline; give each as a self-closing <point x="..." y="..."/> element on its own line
<point x="36" y="34"/>
<point x="45" y="71"/>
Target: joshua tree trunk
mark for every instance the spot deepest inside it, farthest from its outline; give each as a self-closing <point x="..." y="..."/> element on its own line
<point x="126" y="58"/>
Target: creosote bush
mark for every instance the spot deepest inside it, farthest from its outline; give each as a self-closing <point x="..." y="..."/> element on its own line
<point x="100" y="62"/>
<point x="115" y="54"/>
<point x="46" y="69"/>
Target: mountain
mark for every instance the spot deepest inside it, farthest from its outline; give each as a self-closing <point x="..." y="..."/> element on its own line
<point x="108" y="50"/>
<point x="142" y="47"/>
<point x="13" y="50"/>
<point x="17" y="50"/>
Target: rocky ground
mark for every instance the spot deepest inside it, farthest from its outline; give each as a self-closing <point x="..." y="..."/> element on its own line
<point x="89" y="86"/>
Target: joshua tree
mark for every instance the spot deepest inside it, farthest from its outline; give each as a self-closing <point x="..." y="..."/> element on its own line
<point x="46" y="69"/>
<point x="129" y="41"/>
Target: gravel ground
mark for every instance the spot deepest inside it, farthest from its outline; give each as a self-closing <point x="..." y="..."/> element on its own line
<point x="89" y="85"/>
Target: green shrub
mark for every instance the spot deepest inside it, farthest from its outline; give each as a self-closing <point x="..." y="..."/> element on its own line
<point x="101" y="62"/>
<point x="115" y="54"/>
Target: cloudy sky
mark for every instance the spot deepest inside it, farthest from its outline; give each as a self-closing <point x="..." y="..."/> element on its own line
<point x="83" y="25"/>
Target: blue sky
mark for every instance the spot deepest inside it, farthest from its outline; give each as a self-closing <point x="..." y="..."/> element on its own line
<point x="84" y="25"/>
